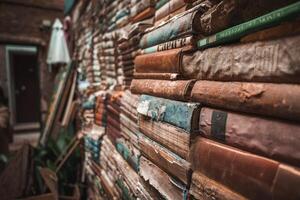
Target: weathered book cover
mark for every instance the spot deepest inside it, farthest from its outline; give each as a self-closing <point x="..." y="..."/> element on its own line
<point x="266" y="61"/>
<point x="253" y="134"/>
<point x="172" y="137"/>
<point x="148" y="12"/>
<point x="165" y="159"/>
<point x="178" y="90"/>
<point x="160" y="180"/>
<point x="243" y="29"/>
<point x="181" y="25"/>
<point x="247" y="174"/>
<point x="181" y="114"/>
<point x="204" y="188"/>
<point x="267" y="99"/>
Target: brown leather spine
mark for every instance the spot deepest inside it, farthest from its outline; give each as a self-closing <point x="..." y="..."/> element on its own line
<point x="286" y="184"/>
<point x="159" y="62"/>
<point x="165" y="159"/>
<point x="258" y="135"/>
<point x="247" y="174"/>
<point x="278" y="100"/>
<point x="204" y="188"/>
<point x="173" y="138"/>
<point x="177" y="90"/>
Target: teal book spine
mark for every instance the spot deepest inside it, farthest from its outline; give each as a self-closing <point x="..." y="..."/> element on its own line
<point x="181" y="114"/>
<point x="238" y="31"/>
<point x="160" y="4"/>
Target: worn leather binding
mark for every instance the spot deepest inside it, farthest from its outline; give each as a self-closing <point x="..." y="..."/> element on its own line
<point x="252" y="176"/>
<point x="181" y="25"/>
<point x="165" y="159"/>
<point x="173" y="138"/>
<point x="160" y="180"/>
<point x="267" y="61"/>
<point x="204" y="188"/>
<point x="276" y="100"/>
<point x="180" y="114"/>
<point x="141" y="6"/>
<point x="168" y="8"/>
<point x="178" y="90"/>
<point x="159" y="76"/>
<point x="253" y="134"/>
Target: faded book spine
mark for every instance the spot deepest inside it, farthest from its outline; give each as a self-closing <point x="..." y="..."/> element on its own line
<point x="180" y="26"/>
<point x="165" y="159"/>
<point x="243" y="29"/>
<point x="181" y="114"/>
<point x="267" y="61"/>
<point x="253" y="134"/>
<point x="267" y="99"/>
<point x="173" y="138"/>
<point x="178" y="90"/>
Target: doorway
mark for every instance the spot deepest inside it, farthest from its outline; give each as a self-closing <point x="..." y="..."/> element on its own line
<point x="23" y="87"/>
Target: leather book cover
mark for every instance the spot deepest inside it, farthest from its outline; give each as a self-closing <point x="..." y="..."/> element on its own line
<point x="252" y="134"/>
<point x="266" y="99"/>
<point x="178" y="90"/>
<point x="172" y="137"/>
<point x="147" y="13"/>
<point x="165" y="159"/>
<point x="158" y="76"/>
<point x="250" y="175"/>
<point x="262" y="61"/>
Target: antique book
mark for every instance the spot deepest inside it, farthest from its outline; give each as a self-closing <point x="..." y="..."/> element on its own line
<point x="245" y="28"/>
<point x="250" y="175"/>
<point x="172" y="137"/>
<point x="141" y="6"/>
<point x="173" y="44"/>
<point x="161" y="181"/>
<point x="178" y="90"/>
<point x="266" y="61"/>
<point x="165" y="159"/>
<point x="204" y="188"/>
<point x="180" y="25"/>
<point x="180" y="114"/>
<point x="160" y="3"/>
<point x="267" y="137"/>
<point x="172" y="14"/>
<point x="268" y="99"/>
<point x="144" y="14"/>
<point x="158" y="76"/>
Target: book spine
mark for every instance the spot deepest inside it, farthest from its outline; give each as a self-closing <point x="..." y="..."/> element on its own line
<point x="173" y="138"/>
<point x="250" y="175"/>
<point x="178" y="43"/>
<point x="164" y="62"/>
<point x="157" y="76"/>
<point x="178" y="90"/>
<point x="270" y="61"/>
<point x="256" y="98"/>
<point x="168" y="8"/>
<point x="220" y="125"/>
<point x="243" y="29"/>
<point x="165" y="159"/>
<point x="175" y="28"/>
<point x="180" y="114"/>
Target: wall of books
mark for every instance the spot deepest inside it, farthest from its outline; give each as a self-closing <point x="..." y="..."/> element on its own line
<point x="189" y="99"/>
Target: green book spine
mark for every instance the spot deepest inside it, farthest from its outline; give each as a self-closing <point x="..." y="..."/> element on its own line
<point x="256" y="24"/>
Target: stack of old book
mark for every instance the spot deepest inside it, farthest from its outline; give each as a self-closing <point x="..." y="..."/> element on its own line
<point x="113" y="127"/>
<point x="166" y="127"/>
<point x="127" y="144"/>
<point x="245" y="145"/>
